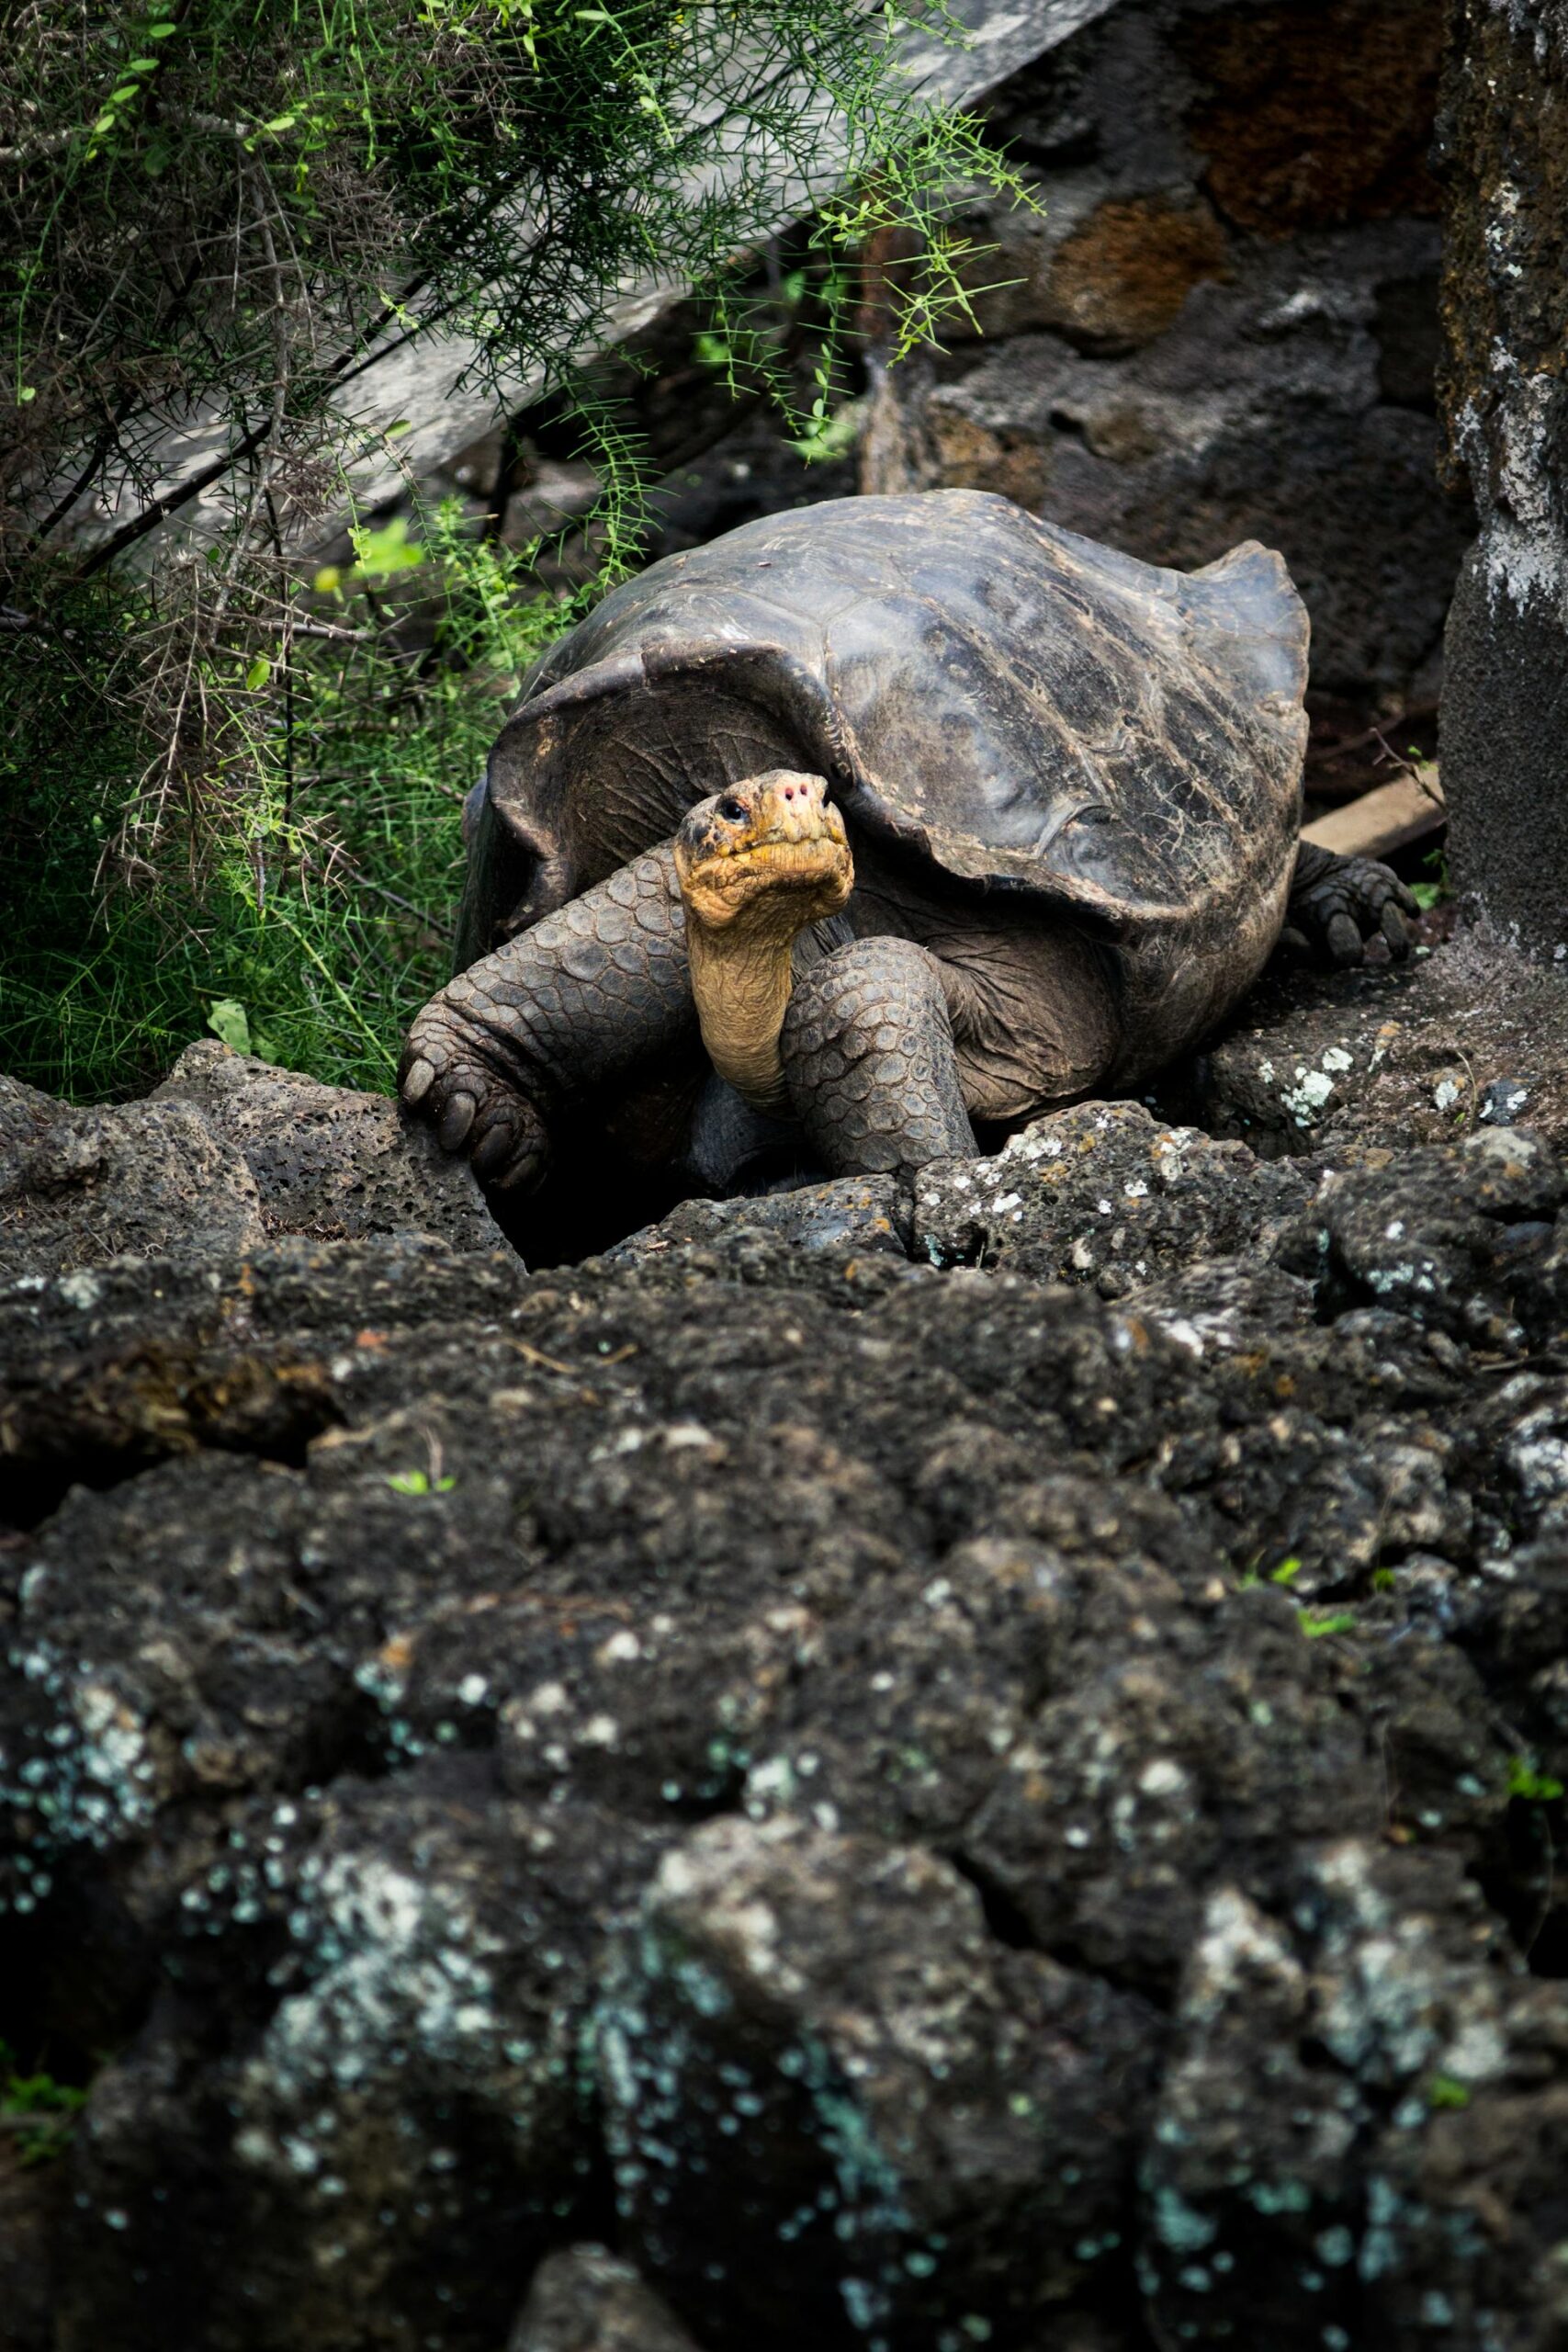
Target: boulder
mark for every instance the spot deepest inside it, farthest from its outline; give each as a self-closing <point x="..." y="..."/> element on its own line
<point x="1103" y="1194"/>
<point x="133" y="1180"/>
<point x="326" y="1161"/>
<point x="1468" y="1034"/>
<point x="1385" y="1964"/>
<point x="835" y="2104"/>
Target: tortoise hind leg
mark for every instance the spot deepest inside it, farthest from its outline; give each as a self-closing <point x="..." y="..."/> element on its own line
<point x="1337" y="904"/>
<point x="869" y="1057"/>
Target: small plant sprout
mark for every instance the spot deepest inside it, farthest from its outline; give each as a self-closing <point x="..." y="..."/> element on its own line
<point x="1317" y="1624"/>
<point x="1427" y="895"/>
<point x="418" y="1482"/>
<point x="430" y="1481"/>
<point x="1529" y="1783"/>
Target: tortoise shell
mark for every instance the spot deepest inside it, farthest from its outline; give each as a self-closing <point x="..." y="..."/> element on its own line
<point x="1019" y="707"/>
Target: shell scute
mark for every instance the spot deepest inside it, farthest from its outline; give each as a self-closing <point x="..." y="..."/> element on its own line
<point x="1028" y="709"/>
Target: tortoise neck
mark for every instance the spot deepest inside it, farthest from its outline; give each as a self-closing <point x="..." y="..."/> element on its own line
<point x="741" y="986"/>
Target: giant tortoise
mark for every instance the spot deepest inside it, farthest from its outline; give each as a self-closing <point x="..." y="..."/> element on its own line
<point x="892" y="815"/>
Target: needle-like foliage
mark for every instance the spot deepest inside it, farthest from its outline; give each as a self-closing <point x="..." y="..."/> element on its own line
<point x="220" y="221"/>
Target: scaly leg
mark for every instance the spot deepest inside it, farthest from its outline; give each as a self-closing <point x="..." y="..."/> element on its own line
<point x="585" y="995"/>
<point x="868" y="1055"/>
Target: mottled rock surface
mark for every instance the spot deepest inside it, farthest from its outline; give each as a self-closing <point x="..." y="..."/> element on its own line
<point x="876" y="1765"/>
<point x="589" y="2300"/>
<point x="1505" y="159"/>
<point x="226" y="1151"/>
<point x="139" y="1179"/>
<point x="1468" y="1036"/>
<point x="1222" y="324"/>
<point x="1104" y="1193"/>
<point x="326" y="1160"/>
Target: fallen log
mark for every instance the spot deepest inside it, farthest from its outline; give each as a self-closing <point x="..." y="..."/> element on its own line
<point x="1384" y="820"/>
<point x="419" y="395"/>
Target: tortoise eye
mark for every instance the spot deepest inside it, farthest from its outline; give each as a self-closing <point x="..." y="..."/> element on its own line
<point x="732" y="810"/>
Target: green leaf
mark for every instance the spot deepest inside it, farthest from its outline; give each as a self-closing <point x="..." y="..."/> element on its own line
<point x="1287" y="1572"/>
<point x="1528" y="1782"/>
<point x="49" y="2106"/>
<point x="1444" y="2090"/>
<point x="258" y="674"/>
<point x="831" y="436"/>
<point x="39" y="2095"/>
<point x="1316" y="1626"/>
<point x="25" y="392"/>
<point x="383" y="552"/>
<point x="417" y="1482"/>
<point x="227" y="1019"/>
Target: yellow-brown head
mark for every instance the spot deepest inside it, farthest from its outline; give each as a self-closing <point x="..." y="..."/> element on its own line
<point x="764" y="858"/>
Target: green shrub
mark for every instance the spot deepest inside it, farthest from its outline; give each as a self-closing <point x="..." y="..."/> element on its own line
<point x="218" y="784"/>
<point x="310" y="924"/>
<point x="37" y="2113"/>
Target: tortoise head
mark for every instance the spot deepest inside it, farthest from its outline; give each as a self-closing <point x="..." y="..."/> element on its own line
<point x="764" y="858"/>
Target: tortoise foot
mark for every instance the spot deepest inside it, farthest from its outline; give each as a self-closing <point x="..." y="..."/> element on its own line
<point x="1337" y="904"/>
<point x="453" y="1074"/>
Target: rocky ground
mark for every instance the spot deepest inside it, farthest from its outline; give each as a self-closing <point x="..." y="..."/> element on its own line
<point x="974" y="1762"/>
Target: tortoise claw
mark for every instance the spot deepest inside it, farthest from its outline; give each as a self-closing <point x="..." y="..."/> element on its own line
<point x="1343" y="938"/>
<point x="1395" y="928"/>
<point x="521" y="1169"/>
<point x="454" y="1079"/>
<point x="492" y="1149"/>
<point x="1340" y="903"/>
<point x="454" y="1121"/>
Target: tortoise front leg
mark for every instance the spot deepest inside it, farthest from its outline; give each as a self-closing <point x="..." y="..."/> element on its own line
<point x="586" y="994"/>
<point x="869" y="1058"/>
